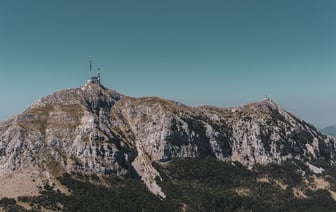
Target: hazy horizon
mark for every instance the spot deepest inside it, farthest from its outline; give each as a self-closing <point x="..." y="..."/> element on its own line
<point x="221" y="53"/>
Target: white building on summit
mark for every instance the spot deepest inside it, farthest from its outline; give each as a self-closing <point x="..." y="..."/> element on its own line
<point x="95" y="79"/>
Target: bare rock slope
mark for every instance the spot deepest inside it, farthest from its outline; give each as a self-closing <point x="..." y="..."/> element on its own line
<point x="92" y="129"/>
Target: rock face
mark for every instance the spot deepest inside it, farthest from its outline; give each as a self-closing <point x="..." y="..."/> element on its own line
<point x="95" y="130"/>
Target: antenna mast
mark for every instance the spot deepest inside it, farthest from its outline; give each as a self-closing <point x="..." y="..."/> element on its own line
<point x="93" y="79"/>
<point x="98" y="71"/>
<point x="90" y="66"/>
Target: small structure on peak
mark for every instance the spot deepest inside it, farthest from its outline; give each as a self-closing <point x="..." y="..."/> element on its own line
<point x="94" y="79"/>
<point x="267" y="99"/>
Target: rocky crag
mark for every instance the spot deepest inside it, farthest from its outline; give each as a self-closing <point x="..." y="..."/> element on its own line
<point x="94" y="130"/>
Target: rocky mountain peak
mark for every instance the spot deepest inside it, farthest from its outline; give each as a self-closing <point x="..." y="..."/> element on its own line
<point x="266" y="105"/>
<point x="92" y="129"/>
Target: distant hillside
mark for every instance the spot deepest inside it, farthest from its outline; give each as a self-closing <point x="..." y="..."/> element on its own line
<point x="331" y="130"/>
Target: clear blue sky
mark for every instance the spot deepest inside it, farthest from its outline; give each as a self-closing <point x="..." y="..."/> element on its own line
<point x="218" y="52"/>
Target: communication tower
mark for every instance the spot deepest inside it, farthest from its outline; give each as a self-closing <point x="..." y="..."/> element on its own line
<point x="93" y="79"/>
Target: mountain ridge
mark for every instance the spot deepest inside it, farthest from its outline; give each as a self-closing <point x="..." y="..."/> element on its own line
<point x="330" y="130"/>
<point x="94" y="130"/>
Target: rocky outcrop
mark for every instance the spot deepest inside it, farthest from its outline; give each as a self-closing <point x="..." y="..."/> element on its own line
<point x="95" y="130"/>
<point x="261" y="132"/>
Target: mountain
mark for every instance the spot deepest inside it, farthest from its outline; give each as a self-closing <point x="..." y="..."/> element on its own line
<point x="331" y="130"/>
<point x="93" y="131"/>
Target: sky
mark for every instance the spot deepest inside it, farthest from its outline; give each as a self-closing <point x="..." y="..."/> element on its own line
<point x="216" y="52"/>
